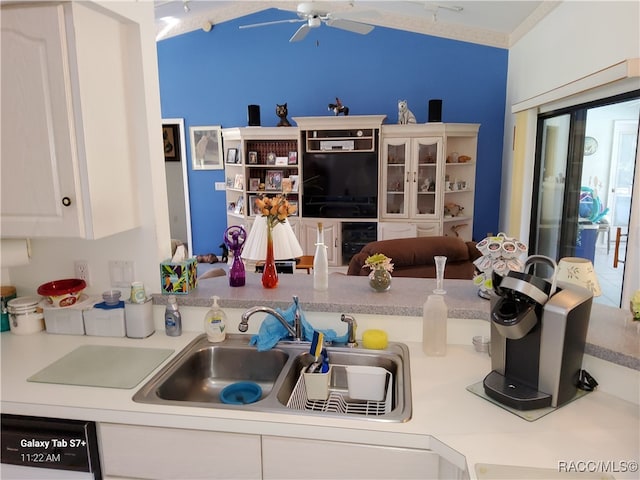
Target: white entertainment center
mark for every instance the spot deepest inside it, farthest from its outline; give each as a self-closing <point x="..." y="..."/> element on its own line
<point x="389" y="181"/>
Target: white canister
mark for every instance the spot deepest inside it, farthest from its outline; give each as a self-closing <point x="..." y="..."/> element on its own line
<point x="25" y="315"/>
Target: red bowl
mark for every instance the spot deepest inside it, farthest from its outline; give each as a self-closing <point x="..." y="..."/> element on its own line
<point x="62" y="293"/>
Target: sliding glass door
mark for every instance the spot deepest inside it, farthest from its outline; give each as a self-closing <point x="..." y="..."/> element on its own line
<point x="583" y="184"/>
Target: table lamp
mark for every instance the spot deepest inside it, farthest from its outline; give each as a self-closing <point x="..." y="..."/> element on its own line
<point x="285" y="243"/>
<point x="578" y="271"/>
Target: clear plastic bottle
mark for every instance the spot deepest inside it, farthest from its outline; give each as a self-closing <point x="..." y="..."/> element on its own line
<point x="320" y="263"/>
<point x="215" y="322"/>
<point x="172" y="318"/>
<point x="434" y="326"/>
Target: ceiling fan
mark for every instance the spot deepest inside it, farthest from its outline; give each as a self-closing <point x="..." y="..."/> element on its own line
<point x="314" y="17"/>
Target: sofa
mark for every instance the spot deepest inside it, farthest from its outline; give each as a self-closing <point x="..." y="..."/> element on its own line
<point x="413" y="257"/>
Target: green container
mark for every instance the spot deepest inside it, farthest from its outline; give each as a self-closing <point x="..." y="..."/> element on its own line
<point x="7" y="293"/>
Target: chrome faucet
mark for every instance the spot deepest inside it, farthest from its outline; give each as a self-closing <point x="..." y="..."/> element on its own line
<point x="351" y="330"/>
<point x="295" y="331"/>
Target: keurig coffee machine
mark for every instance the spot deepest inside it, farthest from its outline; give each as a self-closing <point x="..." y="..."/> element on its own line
<point x="538" y="334"/>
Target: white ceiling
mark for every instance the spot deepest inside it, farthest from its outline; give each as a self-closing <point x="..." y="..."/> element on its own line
<point x="494" y="23"/>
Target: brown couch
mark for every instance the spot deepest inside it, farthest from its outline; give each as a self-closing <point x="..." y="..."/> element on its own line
<point x="413" y="257"/>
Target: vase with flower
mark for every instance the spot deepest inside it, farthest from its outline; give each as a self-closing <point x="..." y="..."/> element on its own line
<point x="380" y="275"/>
<point x="275" y="210"/>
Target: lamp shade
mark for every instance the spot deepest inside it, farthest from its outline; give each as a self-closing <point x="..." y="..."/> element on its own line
<point x="578" y="271"/>
<point x="285" y="243"/>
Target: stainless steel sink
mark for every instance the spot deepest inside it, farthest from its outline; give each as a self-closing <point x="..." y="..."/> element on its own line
<point x="201" y="370"/>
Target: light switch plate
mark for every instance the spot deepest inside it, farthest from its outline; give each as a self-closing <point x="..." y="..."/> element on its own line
<point x="121" y="273"/>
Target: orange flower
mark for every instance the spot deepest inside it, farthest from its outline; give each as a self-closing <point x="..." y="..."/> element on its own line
<point x="276" y="209"/>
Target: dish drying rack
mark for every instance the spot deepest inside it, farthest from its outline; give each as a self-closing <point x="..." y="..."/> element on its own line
<point x="339" y="400"/>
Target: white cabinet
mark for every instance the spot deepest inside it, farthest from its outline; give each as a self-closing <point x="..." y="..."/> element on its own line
<point x="427" y="179"/>
<point x="170" y="453"/>
<point x="411" y="177"/>
<point x="289" y="458"/>
<point x="67" y="127"/>
<point x="309" y="234"/>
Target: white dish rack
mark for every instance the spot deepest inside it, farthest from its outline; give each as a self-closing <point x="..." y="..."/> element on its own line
<point x="338" y="400"/>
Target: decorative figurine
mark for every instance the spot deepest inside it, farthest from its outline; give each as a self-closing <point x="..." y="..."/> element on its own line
<point x="337" y="108"/>
<point x="452" y="209"/>
<point x="404" y="114"/>
<point x="282" y="112"/>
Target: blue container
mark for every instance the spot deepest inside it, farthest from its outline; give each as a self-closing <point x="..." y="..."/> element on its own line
<point x="586" y="241"/>
<point x="8" y="293"/>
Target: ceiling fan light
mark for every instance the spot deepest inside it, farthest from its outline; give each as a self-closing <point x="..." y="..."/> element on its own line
<point x="314" y="22"/>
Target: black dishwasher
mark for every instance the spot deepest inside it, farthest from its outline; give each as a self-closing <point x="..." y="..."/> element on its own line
<point x="38" y="447"/>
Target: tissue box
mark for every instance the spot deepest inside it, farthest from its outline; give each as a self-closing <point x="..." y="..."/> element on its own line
<point x="178" y="277"/>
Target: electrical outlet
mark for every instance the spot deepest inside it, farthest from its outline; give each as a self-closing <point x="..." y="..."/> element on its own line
<point x="82" y="271"/>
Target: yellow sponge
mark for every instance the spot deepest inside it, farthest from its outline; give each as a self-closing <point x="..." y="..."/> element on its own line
<point x="375" y="339"/>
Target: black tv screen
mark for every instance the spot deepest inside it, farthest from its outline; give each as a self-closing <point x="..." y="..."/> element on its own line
<point x="340" y="185"/>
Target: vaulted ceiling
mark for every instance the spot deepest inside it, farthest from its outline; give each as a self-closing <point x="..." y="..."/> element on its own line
<point x="493" y="23"/>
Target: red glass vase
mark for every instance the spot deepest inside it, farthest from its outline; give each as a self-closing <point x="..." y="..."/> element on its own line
<point x="269" y="274"/>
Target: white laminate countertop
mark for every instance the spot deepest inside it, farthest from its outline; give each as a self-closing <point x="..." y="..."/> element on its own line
<point x="446" y="418"/>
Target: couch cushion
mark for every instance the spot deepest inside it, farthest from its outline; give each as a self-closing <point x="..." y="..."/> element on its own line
<point x="419" y="250"/>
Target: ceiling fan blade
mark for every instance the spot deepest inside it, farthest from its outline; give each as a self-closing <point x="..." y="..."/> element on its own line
<point x="300" y="33"/>
<point x="355" y="27"/>
<point x="275" y="22"/>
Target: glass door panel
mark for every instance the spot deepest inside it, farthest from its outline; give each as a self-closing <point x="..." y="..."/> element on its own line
<point x="396" y="179"/>
<point x="426" y="180"/>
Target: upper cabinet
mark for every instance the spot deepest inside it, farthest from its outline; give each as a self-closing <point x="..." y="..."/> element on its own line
<point x="67" y="132"/>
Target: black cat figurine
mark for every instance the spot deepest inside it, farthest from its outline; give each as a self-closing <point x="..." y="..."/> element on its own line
<point x="282" y="112"/>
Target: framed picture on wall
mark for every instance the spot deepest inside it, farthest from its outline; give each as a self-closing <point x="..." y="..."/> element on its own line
<point x="206" y="148"/>
<point x="171" y="142"/>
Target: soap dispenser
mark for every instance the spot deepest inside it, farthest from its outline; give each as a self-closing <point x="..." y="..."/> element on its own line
<point x="215" y="322"/>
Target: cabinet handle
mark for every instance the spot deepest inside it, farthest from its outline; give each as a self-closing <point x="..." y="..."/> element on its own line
<point x="407" y="177"/>
<point x="66" y="201"/>
<point x="414" y="177"/>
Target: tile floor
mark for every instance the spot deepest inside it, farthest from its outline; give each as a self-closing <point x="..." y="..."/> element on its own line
<point x="610" y="278"/>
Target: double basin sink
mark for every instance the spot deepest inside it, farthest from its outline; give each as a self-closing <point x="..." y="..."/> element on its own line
<point x="197" y="375"/>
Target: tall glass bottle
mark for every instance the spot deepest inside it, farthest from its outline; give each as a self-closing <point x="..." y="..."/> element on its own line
<point x="320" y="262"/>
<point x="434" y="326"/>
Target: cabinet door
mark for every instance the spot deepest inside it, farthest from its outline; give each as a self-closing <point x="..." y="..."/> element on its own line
<point x="170" y="453"/>
<point x="331" y="238"/>
<point x="38" y="176"/>
<point x="291" y="458"/>
<point x="426" y="178"/>
<point x="395" y="178"/>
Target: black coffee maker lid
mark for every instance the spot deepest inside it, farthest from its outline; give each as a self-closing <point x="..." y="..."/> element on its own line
<point x="535" y="288"/>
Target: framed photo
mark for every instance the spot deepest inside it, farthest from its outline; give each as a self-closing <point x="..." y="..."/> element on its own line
<point x="232" y="155"/>
<point x="206" y="148"/>
<point x="294" y="203"/>
<point x="254" y="208"/>
<point x="293" y="158"/>
<point x="253" y="158"/>
<point x="239" y="205"/>
<point x="282" y="161"/>
<point x="171" y="142"/>
<point x="271" y="158"/>
<point x="254" y="184"/>
<point x="273" y="180"/>
<point x="295" y="183"/>
<point x="239" y="182"/>
<point x="287" y="185"/>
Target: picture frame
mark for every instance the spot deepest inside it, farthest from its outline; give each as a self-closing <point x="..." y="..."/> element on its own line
<point x="238" y="183"/>
<point x="171" y="142"/>
<point x="287" y="185"/>
<point x="293" y="158"/>
<point x="273" y="181"/>
<point x="253" y="158"/>
<point x="294" y="203"/>
<point x="239" y="210"/>
<point x="282" y="161"/>
<point x="254" y="184"/>
<point x="232" y="155"/>
<point x="254" y="210"/>
<point x="271" y="158"/>
<point x="295" y="183"/>
<point x="206" y="147"/>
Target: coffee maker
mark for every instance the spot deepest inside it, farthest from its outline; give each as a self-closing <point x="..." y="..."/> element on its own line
<point x="538" y="334"/>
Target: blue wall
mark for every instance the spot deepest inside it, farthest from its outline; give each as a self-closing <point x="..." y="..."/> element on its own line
<point x="210" y="78"/>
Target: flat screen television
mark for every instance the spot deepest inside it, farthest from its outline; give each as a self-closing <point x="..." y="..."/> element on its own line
<point x="340" y="185"/>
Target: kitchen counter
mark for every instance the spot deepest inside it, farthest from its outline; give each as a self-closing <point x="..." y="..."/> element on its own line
<point x="612" y="335"/>
<point x="448" y="419"/>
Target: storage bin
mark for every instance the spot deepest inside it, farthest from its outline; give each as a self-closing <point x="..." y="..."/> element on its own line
<point x="138" y="319"/>
<point x="104" y="322"/>
<point x="67" y="320"/>
<point x="178" y="278"/>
